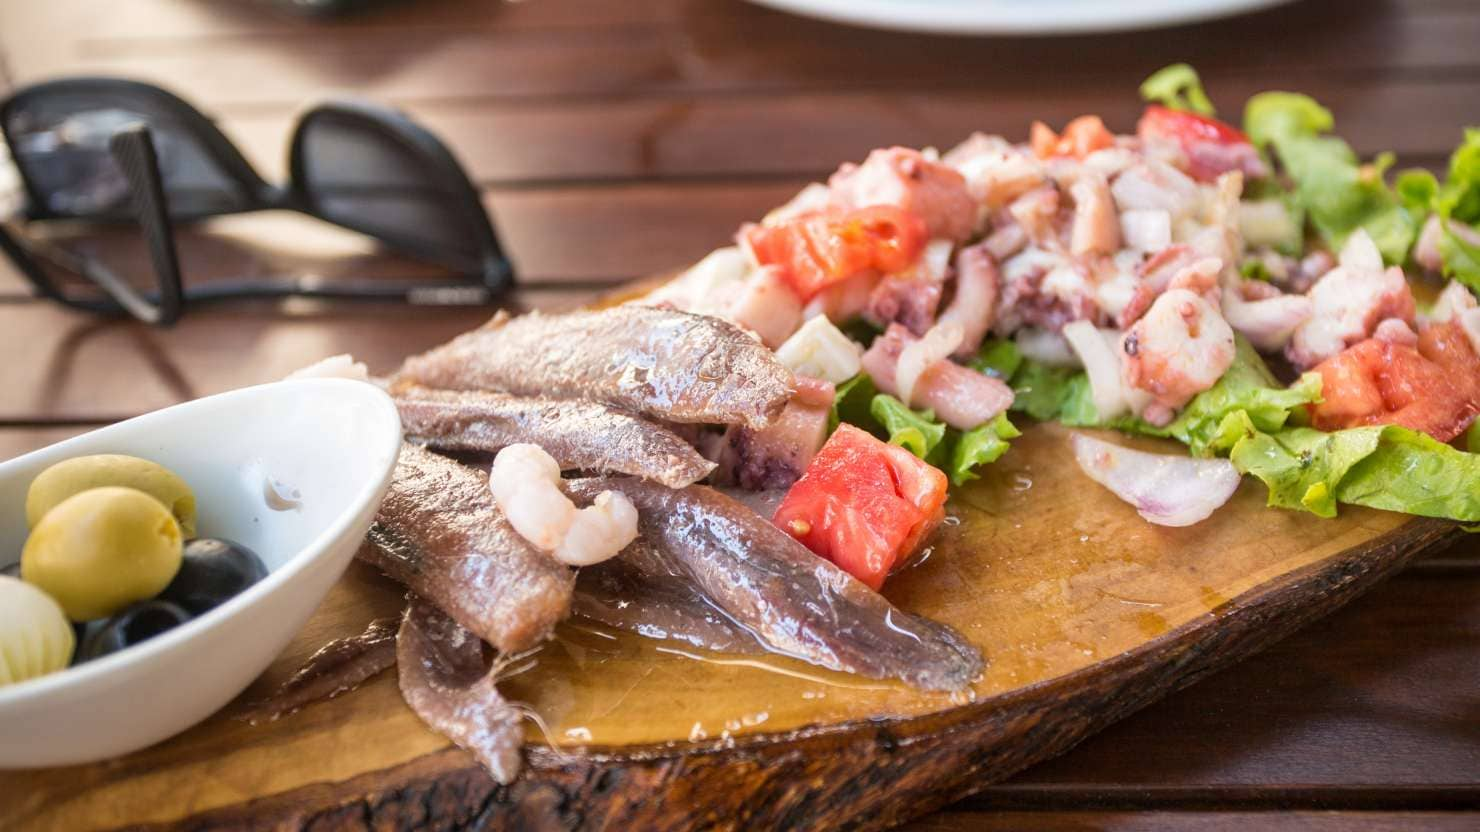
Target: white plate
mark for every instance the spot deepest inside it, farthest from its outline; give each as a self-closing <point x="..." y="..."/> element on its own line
<point x="334" y="441"/>
<point x="1017" y="17"/>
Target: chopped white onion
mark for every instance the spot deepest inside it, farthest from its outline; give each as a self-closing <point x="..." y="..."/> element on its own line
<point x="1115" y="294"/>
<point x="820" y="350"/>
<point x="1146" y="229"/>
<point x="1426" y="251"/>
<point x="1469" y="321"/>
<point x="1266" y="222"/>
<point x="1097" y="352"/>
<point x="1360" y="254"/>
<point x="1166" y="490"/>
<point x="1453" y="300"/>
<point x="937" y="344"/>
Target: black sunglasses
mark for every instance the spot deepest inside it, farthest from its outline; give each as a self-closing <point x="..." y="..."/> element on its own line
<point x="116" y="151"/>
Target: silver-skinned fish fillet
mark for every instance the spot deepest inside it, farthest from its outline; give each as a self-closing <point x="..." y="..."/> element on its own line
<point x="635" y="592"/>
<point x="584" y="436"/>
<point x="671" y="365"/>
<point x="796" y="602"/>
<point x="440" y="534"/>
<point x="448" y="683"/>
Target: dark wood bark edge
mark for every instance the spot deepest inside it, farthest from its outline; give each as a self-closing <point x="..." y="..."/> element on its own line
<point x="864" y="775"/>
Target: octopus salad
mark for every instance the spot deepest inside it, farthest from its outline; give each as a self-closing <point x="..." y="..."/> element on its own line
<point x="740" y="458"/>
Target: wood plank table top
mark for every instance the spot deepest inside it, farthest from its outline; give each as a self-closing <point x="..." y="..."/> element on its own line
<point x="613" y="140"/>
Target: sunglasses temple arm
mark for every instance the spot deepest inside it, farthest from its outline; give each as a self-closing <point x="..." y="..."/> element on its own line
<point x="133" y="150"/>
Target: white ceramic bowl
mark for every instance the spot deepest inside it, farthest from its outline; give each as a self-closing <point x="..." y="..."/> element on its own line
<point x="1018" y="17"/>
<point x="334" y="441"/>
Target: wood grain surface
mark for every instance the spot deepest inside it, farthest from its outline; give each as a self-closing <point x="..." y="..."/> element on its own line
<point x="614" y="139"/>
<point x="1084" y="612"/>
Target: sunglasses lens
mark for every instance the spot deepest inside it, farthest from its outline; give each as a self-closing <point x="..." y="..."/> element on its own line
<point x="357" y="174"/>
<point x="60" y="142"/>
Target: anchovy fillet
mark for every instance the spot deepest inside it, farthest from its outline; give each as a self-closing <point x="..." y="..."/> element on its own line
<point x="671" y="365"/>
<point x="584" y="436"/>
<point x="635" y="592"/>
<point x="796" y="602"/>
<point x="338" y="667"/>
<point x="440" y="533"/>
<point x="447" y="682"/>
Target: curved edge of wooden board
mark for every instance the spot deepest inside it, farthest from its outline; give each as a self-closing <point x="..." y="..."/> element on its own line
<point x="863" y="774"/>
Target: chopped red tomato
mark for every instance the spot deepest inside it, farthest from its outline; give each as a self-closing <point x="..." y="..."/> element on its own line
<point x="1434" y="389"/>
<point x="863" y="504"/>
<point x="1082" y="136"/>
<point x="1165" y="123"/>
<point x="1212" y="147"/>
<point x="817" y="249"/>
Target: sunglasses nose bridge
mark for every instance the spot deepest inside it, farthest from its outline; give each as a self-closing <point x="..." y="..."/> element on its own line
<point x="280" y="197"/>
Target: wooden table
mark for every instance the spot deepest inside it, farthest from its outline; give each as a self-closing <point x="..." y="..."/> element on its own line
<point x="614" y="140"/>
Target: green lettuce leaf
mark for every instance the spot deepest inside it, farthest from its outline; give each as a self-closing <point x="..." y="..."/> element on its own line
<point x="1460" y="197"/>
<point x="1078" y="407"/>
<point x="1472" y="437"/>
<point x="997" y="358"/>
<point x="914" y="430"/>
<point x="1458" y="201"/>
<point x="1418" y="189"/>
<point x="1338" y="193"/>
<point x="1385" y="467"/>
<point x="1270" y="116"/>
<point x="1041" y="391"/>
<point x="1414" y="473"/>
<point x="1078" y="411"/>
<point x="1254" y="269"/>
<point x="858" y="402"/>
<point x="851" y="404"/>
<point x="1063" y="394"/>
<point x="1461" y="260"/>
<point x="981" y="445"/>
<point x="860" y="330"/>
<point x="1304" y="467"/>
<point x="1247" y="386"/>
<point x="1178" y="87"/>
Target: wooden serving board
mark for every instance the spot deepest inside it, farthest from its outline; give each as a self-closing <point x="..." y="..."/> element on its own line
<point x="1086" y="613"/>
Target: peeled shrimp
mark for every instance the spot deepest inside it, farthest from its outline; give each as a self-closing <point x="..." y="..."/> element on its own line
<point x="525" y="481"/>
<point x="1179" y="348"/>
<point x="1349" y="301"/>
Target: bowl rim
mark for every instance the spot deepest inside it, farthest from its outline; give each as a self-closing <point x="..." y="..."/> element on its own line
<point x="277" y="579"/>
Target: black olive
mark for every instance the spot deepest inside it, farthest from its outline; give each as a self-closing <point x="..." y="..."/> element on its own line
<point x="137" y="623"/>
<point x="11" y="569"/>
<point x="212" y="572"/>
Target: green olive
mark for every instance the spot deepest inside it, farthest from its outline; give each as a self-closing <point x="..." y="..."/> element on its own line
<point x="101" y="550"/>
<point x="78" y="474"/>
